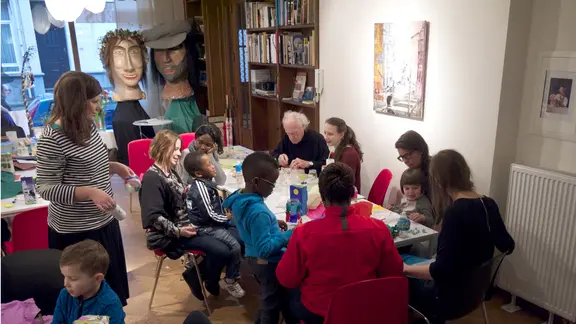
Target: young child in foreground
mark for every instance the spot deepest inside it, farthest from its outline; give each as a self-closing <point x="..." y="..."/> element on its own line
<point x="261" y="233"/>
<point x="414" y="203"/>
<point x="85" y="292"/>
<point x="207" y="215"/>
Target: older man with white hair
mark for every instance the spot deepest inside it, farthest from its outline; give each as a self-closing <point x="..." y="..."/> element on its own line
<point x="300" y="148"/>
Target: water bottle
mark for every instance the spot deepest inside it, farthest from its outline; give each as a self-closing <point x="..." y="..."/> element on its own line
<point x="118" y="213"/>
<point x="132" y="184"/>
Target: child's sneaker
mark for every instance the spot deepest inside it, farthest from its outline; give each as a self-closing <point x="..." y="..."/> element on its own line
<point x="233" y="288"/>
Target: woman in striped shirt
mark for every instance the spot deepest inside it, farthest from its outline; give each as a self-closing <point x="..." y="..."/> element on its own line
<point x="74" y="175"/>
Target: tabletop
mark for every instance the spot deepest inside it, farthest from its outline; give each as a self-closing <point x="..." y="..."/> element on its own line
<point x="152" y="122"/>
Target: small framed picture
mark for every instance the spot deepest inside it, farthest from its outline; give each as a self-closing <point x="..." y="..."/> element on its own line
<point x="557" y="101"/>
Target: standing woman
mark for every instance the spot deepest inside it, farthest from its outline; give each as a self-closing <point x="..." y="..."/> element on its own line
<point x="413" y="151"/>
<point x="74" y="175"/>
<point x="348" y="151"/>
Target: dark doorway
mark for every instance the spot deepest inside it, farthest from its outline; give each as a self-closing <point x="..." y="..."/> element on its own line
<point x="53" y="54"/>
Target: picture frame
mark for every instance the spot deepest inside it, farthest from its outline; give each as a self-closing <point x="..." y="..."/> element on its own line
<point x="400" y="63"/>
<point x="554" y="104"/>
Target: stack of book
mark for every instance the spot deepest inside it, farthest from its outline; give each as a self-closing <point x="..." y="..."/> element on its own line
<point x="295" y="12"/>
<point x="262" y="83"/>
<point x="297" y="49"/>
<point x="260" y="15"/>
<point x="262" y="48"/>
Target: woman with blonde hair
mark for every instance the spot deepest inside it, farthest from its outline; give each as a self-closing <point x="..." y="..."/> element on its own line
<point x="165" y="216"/>
<point x="74" y="175"/>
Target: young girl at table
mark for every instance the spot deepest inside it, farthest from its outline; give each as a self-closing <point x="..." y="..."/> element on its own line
<point x="208" y="140"/>
<point x="207" y="215"/>
<point x="347" y="148"/>
<point x="341" y="248"/>
<point x="414" y="203"/>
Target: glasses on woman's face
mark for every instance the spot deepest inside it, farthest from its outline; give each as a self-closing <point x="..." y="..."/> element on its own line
<point x="272" y="184"/>
<point x="404" y="157"/>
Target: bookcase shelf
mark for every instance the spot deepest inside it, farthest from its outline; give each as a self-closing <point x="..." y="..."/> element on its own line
<point x="300" y="26"/>
<point x="273" y="44"/>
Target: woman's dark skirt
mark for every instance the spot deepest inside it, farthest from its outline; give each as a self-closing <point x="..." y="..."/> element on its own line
<point x="111" y="238"/>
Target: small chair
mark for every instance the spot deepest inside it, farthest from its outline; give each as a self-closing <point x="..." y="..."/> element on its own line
<point x="469" y="291"/>
<point x="375" y="301"/>
<point x="139" y="158"/>
<point x="29" y="231"/>
<point x="380" y="187"/>
<point x="193" y="254"/>
<point x="187" y="138"/>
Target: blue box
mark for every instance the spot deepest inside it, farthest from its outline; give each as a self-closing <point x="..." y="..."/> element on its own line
<point x="300" y="193"/>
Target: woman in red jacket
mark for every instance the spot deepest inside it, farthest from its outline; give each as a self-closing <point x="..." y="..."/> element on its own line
<point x="340" y="248"/>
<point x="348" y="151"/>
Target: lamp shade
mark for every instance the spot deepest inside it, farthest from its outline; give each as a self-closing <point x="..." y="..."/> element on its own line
<point x="96" y="6"/>
<point x="66" y="10"/>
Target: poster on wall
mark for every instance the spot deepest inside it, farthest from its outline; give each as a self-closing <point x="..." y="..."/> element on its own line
<point x="400" y="57"/>
<point x="556" y="100"/>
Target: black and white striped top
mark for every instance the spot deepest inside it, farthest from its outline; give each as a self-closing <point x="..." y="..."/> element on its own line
<point x="63" y="166"/>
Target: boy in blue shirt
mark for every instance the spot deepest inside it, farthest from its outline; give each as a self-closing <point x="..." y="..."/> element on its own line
<point x="261" y="233"/>
<point x="85" y="292"/>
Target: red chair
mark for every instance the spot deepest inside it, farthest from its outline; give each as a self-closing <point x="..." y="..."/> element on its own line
<point x="374" y="301"/>
<point x="139" y="158"/>
<point x="193" y="254"/>
<point x="187" y="139"/>
<point x="29" y="231"/>
<point x="380" y="187"/>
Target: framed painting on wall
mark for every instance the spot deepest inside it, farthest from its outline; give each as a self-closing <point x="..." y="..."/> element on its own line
<point x="400" y="58"/>
<point x="554" y="102"/>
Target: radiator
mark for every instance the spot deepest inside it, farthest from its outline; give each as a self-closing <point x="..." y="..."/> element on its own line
<point x="541" y="217"/>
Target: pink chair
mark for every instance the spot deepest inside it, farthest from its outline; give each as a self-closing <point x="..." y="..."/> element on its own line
<point x="187" y="139"/>
<point x="380" y="187"/>
<point x="29" y="231"/>
<point x="139" y="158"/>
<point x="374" y="301"/>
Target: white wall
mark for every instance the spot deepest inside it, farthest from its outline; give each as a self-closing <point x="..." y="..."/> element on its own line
<point x="464" y="78"/>
<point x="553" y="29"/>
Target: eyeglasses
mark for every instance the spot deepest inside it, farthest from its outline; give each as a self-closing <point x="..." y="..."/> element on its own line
<point x="272" y="184"/>
<point x="405" y="157"/>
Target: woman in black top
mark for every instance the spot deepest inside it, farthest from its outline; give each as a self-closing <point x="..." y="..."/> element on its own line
<point x="471" y="228"/>
<point x="165" y="217"/>
<point x="413" y="151"/>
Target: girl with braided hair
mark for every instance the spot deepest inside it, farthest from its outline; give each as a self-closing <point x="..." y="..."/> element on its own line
<point x="316" y="270"/>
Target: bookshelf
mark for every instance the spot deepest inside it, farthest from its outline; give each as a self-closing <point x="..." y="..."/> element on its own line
<point x="282" y="42"/>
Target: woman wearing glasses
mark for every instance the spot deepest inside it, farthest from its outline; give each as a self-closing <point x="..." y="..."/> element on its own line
<point x="413" y="151"/>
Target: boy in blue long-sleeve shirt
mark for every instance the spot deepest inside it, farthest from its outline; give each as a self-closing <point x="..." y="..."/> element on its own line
<point x="261" y="233"/>
<point x="85" y="292"/>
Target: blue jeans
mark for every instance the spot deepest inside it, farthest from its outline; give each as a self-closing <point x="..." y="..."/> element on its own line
<point x="225" y="236"/>
<point x="300" y="311"/>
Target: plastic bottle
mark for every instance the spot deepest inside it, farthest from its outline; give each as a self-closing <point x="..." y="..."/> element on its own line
<point x="132" y="184"/>
<point x="118" y="213"/>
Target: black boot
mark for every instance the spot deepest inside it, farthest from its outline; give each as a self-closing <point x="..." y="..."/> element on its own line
<point x="191" y="278"/>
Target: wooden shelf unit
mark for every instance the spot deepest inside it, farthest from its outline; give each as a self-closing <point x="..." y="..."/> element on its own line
<point x="266" y="113"/>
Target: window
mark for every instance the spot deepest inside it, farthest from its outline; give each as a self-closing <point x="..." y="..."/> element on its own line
<point x="243" y="53"/>
<point x="10" y="46"/>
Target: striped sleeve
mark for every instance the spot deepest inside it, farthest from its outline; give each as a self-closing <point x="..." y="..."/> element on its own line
<point x="206" y="205"/>
<point x="50" y="170"/>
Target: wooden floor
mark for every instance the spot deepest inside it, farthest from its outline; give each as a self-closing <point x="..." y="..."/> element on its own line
<point x="173" y="300"/>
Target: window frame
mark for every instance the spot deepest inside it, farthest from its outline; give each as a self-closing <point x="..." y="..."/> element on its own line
<point x="17" y="37"/>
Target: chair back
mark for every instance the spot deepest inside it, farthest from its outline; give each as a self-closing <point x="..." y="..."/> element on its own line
<point x="139" y="156"/>
<point x="30" y="230"/>
<point x="373" y="301"/>
<point x="462" y="295"/>
<point x="33" y="274"/>
<point x="19" y="131"/>
<point x="187" y="138"/>
<point x="380" y="187"/>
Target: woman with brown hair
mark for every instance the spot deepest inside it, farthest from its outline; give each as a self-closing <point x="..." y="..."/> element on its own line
<point x="413" y="151"/>
<point x="471" y="228"/>
<point x="74" y="175"/>
<point x="347" y="149"/>
<point x="165" y="216"/>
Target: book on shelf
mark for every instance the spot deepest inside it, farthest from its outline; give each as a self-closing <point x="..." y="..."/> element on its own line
<point x="295" y="12"/>
<point x="260" y="14"/>
<point x="262" y="48"/>
<point x="299" y="86"/>
<point x="297" y="49"/>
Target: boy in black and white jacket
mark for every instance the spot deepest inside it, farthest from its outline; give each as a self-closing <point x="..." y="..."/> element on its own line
<point x="207" y="215"/>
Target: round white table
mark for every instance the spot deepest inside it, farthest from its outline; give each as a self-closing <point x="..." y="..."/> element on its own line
<point x="151" y="122"/>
